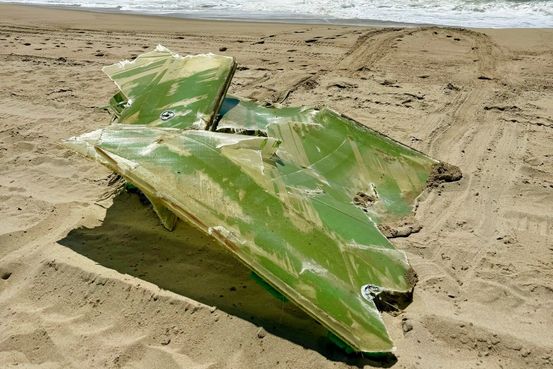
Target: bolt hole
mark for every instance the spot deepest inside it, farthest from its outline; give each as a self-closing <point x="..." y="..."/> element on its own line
<point x="166" y="115"/>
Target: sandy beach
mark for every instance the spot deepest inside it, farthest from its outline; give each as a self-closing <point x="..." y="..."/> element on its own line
<point x="90" y="279"/>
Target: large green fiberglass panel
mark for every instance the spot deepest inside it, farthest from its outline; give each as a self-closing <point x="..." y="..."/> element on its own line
<point x="295" y="193"/>
<point x="376" y="173"/>
<point x="163" y="89"/>
<point x="300" y="238"/>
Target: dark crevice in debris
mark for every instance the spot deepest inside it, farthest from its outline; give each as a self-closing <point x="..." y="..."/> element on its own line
<point x="344" y="352"/>
<point x="245" y="132"/>
<point x="443" y="172"/>
<point x="364" y="200"/>
<point x="394" y="302"/>
<point x="130" y="188"/>
<point x="227" y="105"/>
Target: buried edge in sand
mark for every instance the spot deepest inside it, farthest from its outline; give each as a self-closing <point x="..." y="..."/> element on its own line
<point x="299" y="195"/>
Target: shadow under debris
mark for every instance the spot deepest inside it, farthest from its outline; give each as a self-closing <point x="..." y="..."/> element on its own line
<point x="190" y="263"/>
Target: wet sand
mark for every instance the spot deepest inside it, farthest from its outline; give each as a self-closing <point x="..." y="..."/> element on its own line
<point x="89" y="278"/>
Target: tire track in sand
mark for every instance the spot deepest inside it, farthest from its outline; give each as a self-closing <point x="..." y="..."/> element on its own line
<point x="370" y="47"/>
<point x="483" y="148"/>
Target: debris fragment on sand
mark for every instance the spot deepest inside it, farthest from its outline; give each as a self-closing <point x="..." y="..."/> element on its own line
<point x="295" y="193"/>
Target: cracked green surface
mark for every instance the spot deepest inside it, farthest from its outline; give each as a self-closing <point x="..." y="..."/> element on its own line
<point x="285" y="200"/>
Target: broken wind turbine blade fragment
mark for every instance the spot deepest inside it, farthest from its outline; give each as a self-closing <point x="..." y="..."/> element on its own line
<point x="295" y="193"/>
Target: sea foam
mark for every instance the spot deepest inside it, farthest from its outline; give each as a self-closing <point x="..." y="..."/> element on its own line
<point x="464" y="13"/>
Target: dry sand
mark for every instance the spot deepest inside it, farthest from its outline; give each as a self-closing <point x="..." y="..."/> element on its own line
<point x="90" y="279"/>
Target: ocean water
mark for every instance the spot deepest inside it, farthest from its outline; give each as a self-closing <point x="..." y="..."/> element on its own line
<point x="464" y="13"/>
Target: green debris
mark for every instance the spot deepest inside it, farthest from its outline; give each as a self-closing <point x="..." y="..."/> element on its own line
<point x="340" y="343"/>
<point x="163" y="89"/>
<point x="260" y="281"/>
<point x="295" y="193"/>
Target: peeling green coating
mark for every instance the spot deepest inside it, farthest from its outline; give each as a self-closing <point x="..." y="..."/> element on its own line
<point x="354" y="157"/>
<point x="298" y="202"/>
<point x="159" y="81"/>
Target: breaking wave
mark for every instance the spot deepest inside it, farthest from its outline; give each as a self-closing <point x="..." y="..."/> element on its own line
<point x="465" y="13"/>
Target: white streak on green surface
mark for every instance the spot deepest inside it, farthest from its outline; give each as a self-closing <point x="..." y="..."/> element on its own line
<point x="282" y="202"/>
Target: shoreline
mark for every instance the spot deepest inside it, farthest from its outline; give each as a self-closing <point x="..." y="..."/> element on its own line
<point x="237" y="18"/>
<point x="149" y="22"/>
<point x="205" y="16"/>
<point x="300" y="18"/>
